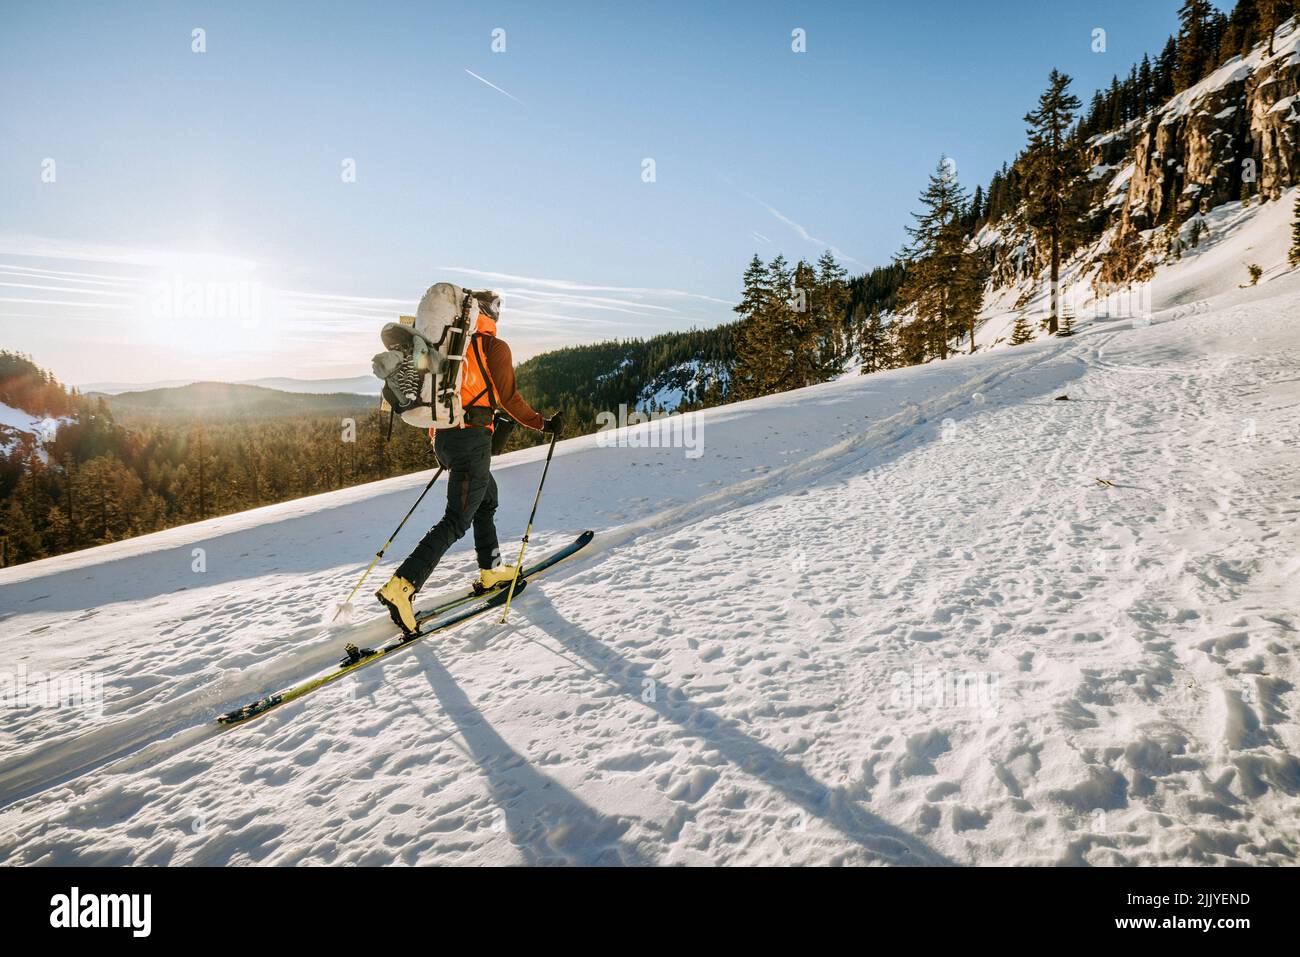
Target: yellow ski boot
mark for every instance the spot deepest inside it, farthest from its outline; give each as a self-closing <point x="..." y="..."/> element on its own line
<point x="491" y="578"/>
<point x="396" y="597"/>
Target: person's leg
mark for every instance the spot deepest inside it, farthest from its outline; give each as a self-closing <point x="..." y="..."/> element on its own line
<point x="466" y="454"/>
<point x="485" y="528"/>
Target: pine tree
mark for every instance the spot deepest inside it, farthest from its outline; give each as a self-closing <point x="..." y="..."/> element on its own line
<point x="976" y="215"/>
<point x="1163" y="74"/>
<point x="832" y="327"/>
<point x="1269" y="14"/>
<point x="1294" y="256"/>
<point x="755" y="344"/>
<point x="1020" y="332"/>
<point x="970" y="275"/>
<point x="939" y="269"/>
<point x="1146" y="90"/>
<point x="22" y="540"/>
<point x="1054" y="168"/>
<point x="1195" y="43"/>
<point x="876" y="345"/>
<point x="800" y="328"/>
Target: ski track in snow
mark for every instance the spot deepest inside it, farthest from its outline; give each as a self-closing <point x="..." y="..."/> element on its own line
<point x="720" y="679"/>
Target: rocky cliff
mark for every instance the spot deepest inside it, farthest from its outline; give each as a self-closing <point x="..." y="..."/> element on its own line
<point x="1234" y="135"/>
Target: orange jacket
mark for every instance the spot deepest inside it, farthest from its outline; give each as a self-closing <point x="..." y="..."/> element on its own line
<point x="489" y="379"/>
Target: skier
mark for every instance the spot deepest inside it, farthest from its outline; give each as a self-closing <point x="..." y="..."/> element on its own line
<point x="465" y="452"/>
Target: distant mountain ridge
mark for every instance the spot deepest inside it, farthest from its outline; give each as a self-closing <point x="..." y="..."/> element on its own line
<point x="216" y="401"/>
<point x="358" y="385"/>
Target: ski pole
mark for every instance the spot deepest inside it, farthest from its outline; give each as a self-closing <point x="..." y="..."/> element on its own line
<point x="533" y="514"/>
<point x="380" y="554"/>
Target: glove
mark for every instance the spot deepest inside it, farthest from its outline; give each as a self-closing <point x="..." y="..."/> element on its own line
<point x="502" y="426"/>
<point x="386" y="363"/>
<point x="553" y="426"/>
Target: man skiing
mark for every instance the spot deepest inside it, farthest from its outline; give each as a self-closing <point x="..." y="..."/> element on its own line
<point x="488" y="384"/>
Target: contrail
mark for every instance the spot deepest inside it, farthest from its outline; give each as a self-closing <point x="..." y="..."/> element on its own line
<point x="495" y="87"/>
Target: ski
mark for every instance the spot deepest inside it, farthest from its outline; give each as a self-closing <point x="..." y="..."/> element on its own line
<point x="529" y="571"/>
<point x="354" y="658"/>
<point x="429" y="623"/>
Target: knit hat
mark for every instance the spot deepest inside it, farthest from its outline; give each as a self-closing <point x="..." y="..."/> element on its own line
<point x="490" y="303"/>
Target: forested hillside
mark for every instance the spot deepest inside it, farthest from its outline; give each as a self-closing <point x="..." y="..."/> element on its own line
<point x="90" y="479"/>
<point x="582" y="381"/>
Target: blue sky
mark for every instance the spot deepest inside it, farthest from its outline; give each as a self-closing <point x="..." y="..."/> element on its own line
<point x="220" y="173"/>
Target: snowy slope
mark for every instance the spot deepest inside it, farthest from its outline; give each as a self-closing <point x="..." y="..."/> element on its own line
<point x="17" y="426"/>
<point x="746" y="668"/>
<point x="1235" y="237"/>
<point x="42" y="427"/>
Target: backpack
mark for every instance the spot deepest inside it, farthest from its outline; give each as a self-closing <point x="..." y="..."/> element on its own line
<point x="424" y="363"/>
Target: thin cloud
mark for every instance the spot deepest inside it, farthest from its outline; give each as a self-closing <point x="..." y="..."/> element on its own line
<point x="804" y="234"/>
<point x="385" y="300"/>
<point x="37" y="247"/>
<point x="495" y="87"/>
<point x="571" y="286"/>
<point x="87" y="292"/>
<point x="800" y="230"/>
<point x="60" y="302"/>
<point x="87" y="278"/>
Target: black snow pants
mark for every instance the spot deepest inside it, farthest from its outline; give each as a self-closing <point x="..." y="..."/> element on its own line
<point x="466" y="454"/>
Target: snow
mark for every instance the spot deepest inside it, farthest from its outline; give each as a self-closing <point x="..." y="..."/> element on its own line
<point x="1122" y="179"/>
<point x="746" y="666"/>
<point x="17" y="419"/>
<point x="1235" y="236"/>
<point x="1286" y="45"/>
<point x="622" y="364"/>
<point x="683" y="382"/>
<point x="42" y="428"/>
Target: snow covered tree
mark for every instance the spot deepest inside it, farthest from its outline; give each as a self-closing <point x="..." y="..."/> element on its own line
<point x="1054" y="168"/>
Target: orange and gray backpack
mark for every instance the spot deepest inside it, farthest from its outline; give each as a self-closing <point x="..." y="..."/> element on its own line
<point x="435" y="366"/>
